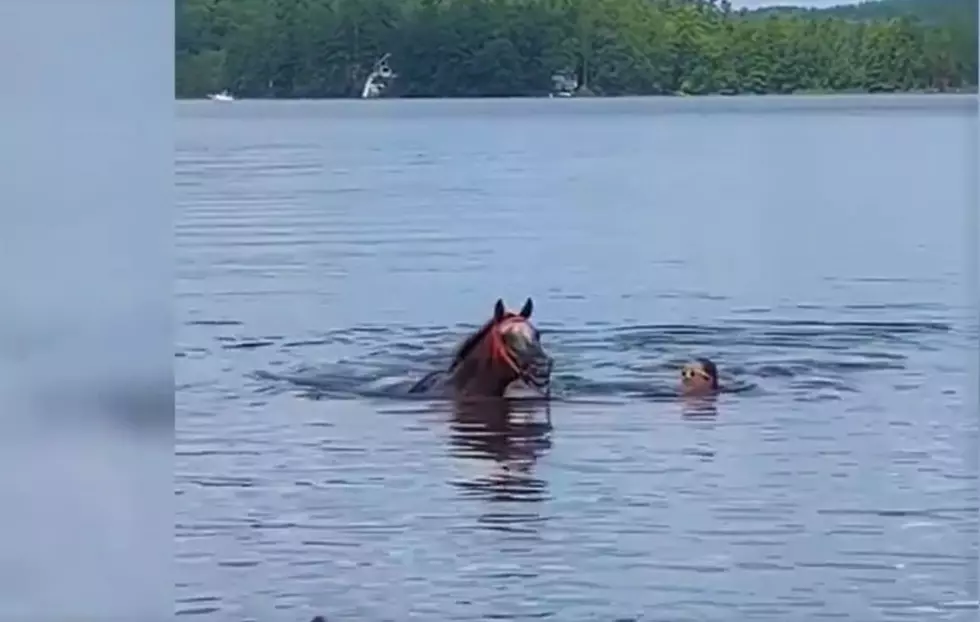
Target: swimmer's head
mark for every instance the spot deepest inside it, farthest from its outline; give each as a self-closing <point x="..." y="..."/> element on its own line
<point x="699" y="377"/>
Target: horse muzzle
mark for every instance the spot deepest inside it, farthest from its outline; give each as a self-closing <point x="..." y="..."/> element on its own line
<point x="538" y="372"/>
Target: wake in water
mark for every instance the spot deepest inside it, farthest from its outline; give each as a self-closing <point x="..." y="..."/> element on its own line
<point x="812" y="360"/>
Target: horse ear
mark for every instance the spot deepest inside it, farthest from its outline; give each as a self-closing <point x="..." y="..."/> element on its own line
<point x="498" y="310"/>
<point x="527" y="309"/>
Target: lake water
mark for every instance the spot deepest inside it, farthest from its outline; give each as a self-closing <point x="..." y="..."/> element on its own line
<point x="821" y="250"/>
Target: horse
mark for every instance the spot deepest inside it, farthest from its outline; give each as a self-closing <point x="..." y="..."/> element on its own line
<point x="507" y="348"/>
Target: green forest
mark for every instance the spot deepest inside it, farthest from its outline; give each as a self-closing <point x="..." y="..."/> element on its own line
<point x="479" y="48"/>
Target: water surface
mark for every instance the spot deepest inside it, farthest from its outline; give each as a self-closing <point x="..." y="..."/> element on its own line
<point x="821" y="250"/>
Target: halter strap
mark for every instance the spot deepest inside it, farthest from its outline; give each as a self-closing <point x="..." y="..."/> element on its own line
<point x="499" y="350"/>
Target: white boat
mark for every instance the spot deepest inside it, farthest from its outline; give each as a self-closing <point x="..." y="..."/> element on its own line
<point x="223" y="96"/>
<point x="563" y="84"/>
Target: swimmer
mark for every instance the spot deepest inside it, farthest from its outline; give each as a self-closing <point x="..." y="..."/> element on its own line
<point x="699" y="377"/>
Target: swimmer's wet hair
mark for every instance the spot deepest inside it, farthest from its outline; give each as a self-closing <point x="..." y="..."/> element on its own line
<point x="711" y="369"/>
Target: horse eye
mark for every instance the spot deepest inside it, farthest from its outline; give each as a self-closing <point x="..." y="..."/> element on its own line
<point x="516" y="340"/>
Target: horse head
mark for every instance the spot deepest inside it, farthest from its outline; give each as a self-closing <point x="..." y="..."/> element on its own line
<point x="505" y="349"/>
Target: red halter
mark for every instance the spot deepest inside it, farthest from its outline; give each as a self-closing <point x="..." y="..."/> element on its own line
<point x="500" y="351"/>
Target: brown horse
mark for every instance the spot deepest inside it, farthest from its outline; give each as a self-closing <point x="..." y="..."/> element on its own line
<point x="507" y="348"/>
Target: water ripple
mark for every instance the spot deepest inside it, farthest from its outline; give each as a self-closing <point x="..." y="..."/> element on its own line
<point x="812" y="360"/>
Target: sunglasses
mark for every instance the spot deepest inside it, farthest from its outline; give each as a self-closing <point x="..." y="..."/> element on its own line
<point x="690" y="373"/>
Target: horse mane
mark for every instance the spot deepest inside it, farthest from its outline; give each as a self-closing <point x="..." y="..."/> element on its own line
<point x="466" y="348"/>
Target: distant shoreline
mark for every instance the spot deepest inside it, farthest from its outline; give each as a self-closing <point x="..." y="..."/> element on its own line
<point x="971" y="90"/>
<point x="530" y="48"/>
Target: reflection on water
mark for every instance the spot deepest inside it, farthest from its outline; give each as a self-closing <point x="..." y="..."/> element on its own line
<point x="705" y="406"/>
<point x="508" y="436"/>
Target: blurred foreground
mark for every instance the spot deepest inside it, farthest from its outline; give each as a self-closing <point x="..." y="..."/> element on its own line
<point x="86" y="389"/>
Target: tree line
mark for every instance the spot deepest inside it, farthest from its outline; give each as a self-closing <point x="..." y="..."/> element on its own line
<point x="471" y="48"/>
